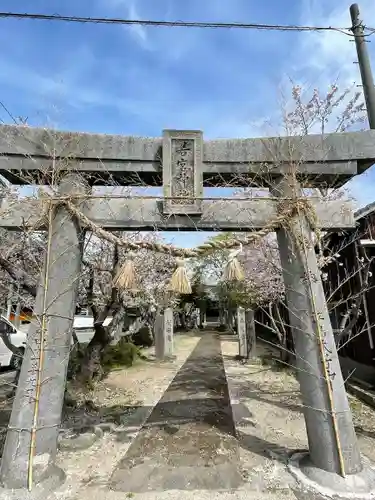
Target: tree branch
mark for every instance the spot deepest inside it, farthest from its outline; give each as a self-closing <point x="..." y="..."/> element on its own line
<point x="90" y="293"/>
<point x="355" y="309"/>
<point x="19" y="276"/>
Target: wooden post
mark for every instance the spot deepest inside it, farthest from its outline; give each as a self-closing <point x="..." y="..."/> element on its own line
<point x="41" y="414"/>
<point x="330" y="431"/>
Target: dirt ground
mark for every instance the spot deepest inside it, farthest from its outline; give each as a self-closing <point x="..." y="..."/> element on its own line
<point x="267" y="413"/>
<point x="274" y="425"/>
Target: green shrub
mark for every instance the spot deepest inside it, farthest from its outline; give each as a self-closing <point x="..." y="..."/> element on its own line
<point x="120" y="355"/>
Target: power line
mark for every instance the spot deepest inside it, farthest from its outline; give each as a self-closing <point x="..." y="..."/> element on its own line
<point x="173" y="24"/>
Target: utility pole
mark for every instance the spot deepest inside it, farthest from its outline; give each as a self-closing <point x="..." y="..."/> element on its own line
<point x="364" y="64"/>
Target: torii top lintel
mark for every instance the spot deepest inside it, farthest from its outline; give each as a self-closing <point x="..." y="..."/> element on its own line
<point x="328" y="159"/>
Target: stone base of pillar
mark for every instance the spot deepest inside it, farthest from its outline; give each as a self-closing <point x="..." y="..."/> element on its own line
<point x="360" y="486"/>
<point x="168" y="358"/>
<point x="46" y="481"/>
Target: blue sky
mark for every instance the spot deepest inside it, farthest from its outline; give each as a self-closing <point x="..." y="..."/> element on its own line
<point x="139" y="80"/>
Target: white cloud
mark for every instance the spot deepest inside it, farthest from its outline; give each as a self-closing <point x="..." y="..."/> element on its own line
<point x="322" y="58"/>
<point x="130" y="10"/>
<point x="327" y="55"/>
<point x="138" y="30"/>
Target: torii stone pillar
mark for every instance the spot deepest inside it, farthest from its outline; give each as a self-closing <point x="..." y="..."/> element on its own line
<point x="309" y="320"/>
<point x="57" y="299"/>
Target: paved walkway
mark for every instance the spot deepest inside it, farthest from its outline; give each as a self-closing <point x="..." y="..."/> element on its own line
<point x="188" y="441"/>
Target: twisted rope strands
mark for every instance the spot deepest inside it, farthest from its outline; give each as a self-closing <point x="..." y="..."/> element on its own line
<point x="285" y="213"/>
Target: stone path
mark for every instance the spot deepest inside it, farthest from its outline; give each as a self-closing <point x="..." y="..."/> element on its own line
<point x="188" y="441"/>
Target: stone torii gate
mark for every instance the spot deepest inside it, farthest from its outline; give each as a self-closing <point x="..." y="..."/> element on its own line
<point x="183" y="163"/>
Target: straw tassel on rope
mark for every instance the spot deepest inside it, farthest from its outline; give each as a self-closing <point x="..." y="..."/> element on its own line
<point x="233" y="270"/>
<point x="125" y="277"/>
<point x="180" y="281"/>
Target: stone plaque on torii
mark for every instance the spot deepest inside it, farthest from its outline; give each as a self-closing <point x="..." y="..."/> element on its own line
<point x="183" y="163"/>
<point x="182" y="172"/>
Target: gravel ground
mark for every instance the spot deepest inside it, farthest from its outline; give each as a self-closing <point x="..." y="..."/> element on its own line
<point x="269" y="420"/>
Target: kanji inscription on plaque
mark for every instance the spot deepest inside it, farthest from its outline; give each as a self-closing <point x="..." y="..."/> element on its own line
<point x="182" y="172"/>
<point x="241" y="329"/>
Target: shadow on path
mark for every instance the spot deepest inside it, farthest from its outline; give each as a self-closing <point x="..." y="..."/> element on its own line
<point x="188" y="440"/>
